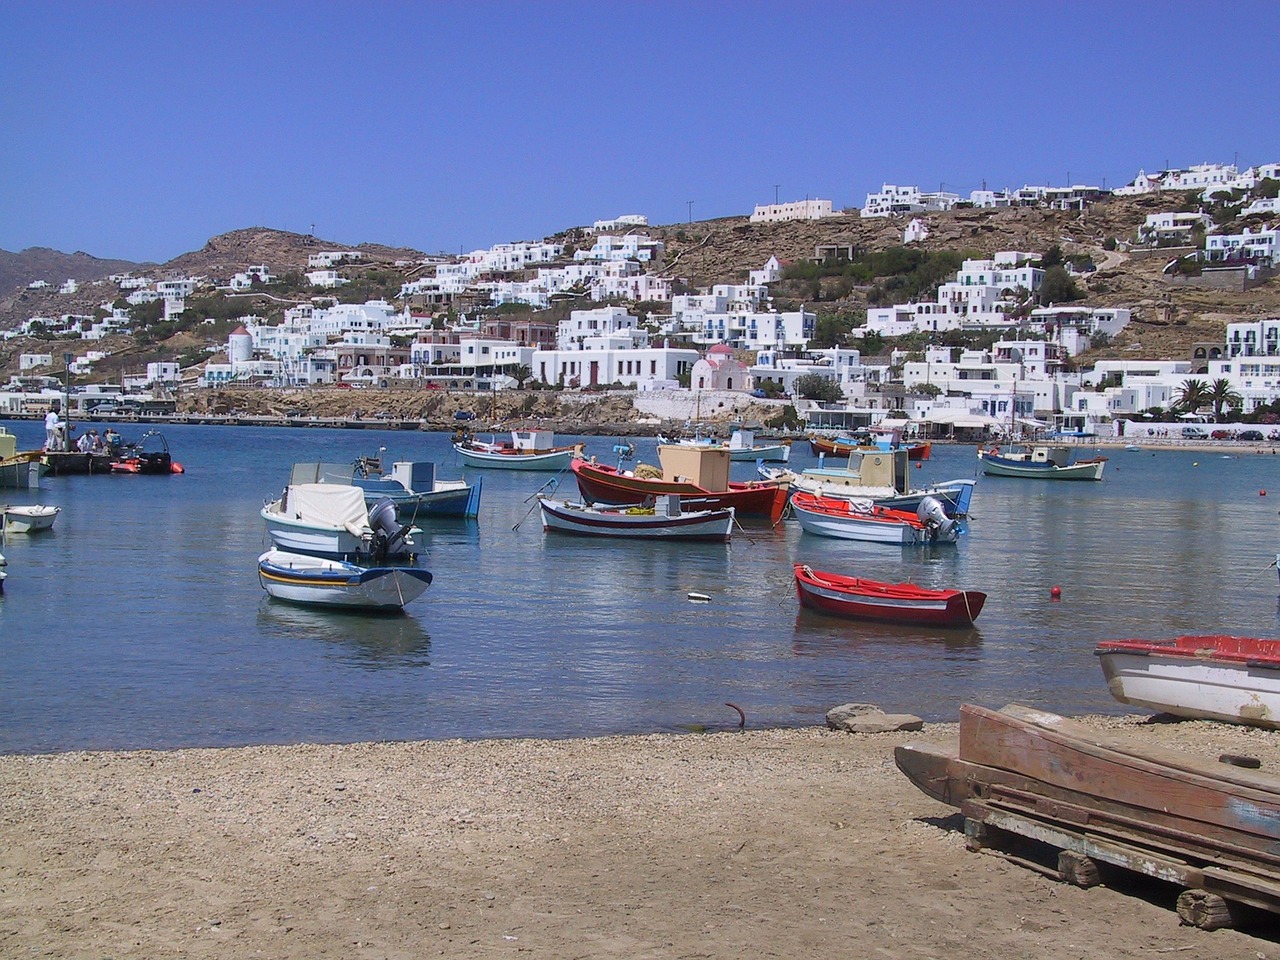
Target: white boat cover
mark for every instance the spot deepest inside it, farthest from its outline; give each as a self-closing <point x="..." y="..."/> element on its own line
<point x="328" y="505"/>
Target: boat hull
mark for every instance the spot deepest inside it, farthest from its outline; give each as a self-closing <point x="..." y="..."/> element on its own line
<point x="461" y="501"/>
<point x="770" y="453"/>
<point x="994" y="465"/>
<point x="333" y="583"/>
<point x="713" y="525"/>
<point x="554" y="460"/>
<point x="334" y="543"/>
<point x="29" y="519"/>
<point x="860" y="599"/>
<point x="954" y="495"/>
<point x="601" y="484"/>
<point x="843" y="520"/>
<point x="21" y="472"/>
<point x="1231" y="679"/>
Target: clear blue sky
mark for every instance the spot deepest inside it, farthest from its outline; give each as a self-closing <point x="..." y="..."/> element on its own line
<point x="139" y="130"/>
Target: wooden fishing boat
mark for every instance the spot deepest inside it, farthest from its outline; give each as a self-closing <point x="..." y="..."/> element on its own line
<point x="28" y="518"/>
<point x="842" y="446"/>
<point x="666" y="520"/>
<point x="699" y="476"/>
<point x="863" y="520"/>
<point x="332" y="520"/>
<point x="863" y="599"/>
<point x="1234" y="679"/>
<point x="1039" y="463"/>
<point x="19" y="469"/>
<point x="413" y="487"/>
<point x="742" y="447"/>
<point x="527" y="450"/>
<point x="1208" y="827"/>
<point x="301" y="578"/>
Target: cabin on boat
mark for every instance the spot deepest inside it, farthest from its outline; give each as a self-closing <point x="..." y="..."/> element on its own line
<point x="707" y="467"/>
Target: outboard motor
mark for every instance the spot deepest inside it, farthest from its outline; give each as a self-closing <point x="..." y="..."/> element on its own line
<point x="388" y="532"/>
<point x="935" y="519"/>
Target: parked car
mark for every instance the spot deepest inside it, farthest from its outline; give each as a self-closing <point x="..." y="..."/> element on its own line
<point x="1194" y="433"/>
<point x="1220" y="435"/>
<point x="463" y="415"/>
<point x="1250" y="436"/>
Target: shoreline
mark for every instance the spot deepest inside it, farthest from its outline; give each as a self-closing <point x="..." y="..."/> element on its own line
<point x="784" y="842"/>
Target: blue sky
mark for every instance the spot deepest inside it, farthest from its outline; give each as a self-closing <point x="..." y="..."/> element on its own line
<point x="139" y="130"/>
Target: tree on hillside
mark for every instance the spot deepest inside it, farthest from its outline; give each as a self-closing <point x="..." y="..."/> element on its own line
<point x="1223" y="396"/>
<point x="1058" y="287"/>
<point x="829" y="331"/>
<point x="1052" y="257"/>
<point x="814" y="386"/>
<point x="1192" y="396"/>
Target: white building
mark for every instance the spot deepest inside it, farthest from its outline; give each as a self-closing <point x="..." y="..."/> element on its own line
<point x="69" y="286"/>
<point x="606" y="345"/>
<point x="771" y="271"/>
<point x="1254" y="338"/>
<point x="331" y="258"/>
<point x="895" y="201"/>
<point x="31" y="361"/>
<point x="917" y="230"/>
<point x="719" y="369"/>
<point x="178" y="289"/>
<point x="631" y="246"/>
<point x="798" y="210"/>
<point x="1259" y="245"/>
<point x="325" y="279"/>
<point x="1172" y="226"/>
<point x="757" y="330"/>
<point x="1200" y="177"/>
<point x="625" y="222"/>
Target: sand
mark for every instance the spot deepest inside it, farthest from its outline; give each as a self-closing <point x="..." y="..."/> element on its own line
<point x="788" y="843"/>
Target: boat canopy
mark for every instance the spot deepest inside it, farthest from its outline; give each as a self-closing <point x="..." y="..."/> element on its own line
<point x="327" y="504"/>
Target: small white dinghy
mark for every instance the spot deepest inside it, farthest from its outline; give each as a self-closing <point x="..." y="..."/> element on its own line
<point x="28" y="519"/>
<point x="302" y="578"/>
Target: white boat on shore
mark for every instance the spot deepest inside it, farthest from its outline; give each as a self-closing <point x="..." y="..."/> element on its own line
<point x="1233" y="679"/>
<point x="33" y="518"/>
<point x="301" y="578"/>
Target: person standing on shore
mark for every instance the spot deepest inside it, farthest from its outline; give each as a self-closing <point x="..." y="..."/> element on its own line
<point x="53" y="428"/>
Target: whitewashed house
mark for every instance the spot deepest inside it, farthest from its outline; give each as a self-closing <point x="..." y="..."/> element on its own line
<point x="326" y="259"/>
<point x="1257" y="245"/>
<point x="325" y="279"/>
<point x="1172" y="226"/>
<point x="770" y="272"/>
<point x="631" y="246"/>
<point x="32" y="361"/>
<point x="797" y="210"/>
<point x="627" y="221"/>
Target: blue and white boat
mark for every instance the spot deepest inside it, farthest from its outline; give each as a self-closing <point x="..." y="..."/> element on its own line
<point x="1040" y="462"/>
<point x="332" y="520"/>
<point x="416" y="490"/>
<point x="302" y="578"/>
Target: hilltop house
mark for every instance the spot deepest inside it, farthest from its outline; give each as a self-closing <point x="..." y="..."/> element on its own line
<point x="799" y="210"/>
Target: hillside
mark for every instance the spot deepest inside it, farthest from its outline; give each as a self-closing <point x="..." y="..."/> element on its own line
<point x="1167" y="321"/>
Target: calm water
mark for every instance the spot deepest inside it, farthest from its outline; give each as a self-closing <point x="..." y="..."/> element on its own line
<point x="139" y="622"/>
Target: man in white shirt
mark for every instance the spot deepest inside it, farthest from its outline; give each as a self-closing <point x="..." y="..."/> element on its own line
<point x="52" y="429"/>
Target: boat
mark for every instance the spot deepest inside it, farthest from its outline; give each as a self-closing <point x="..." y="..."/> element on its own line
<point x="742" y="447"/>
<point x="331" y="520"/>
<point x="882" y="440"/>
<point x="861" y="599"/>
<point x="665" y="520"/>
<point x="32" y="518"/>
<point x="526" y="450"/>
<point x="149" y="455"/>
<point x="302" y="578"/>
<point x="863" y="520"/>
<point x="1040" y="462"/>
<point x="1209" y="827"/>
<point x="19" y="469"/>
<point x="413" y="487"/>
<point x="699" y="476"/>
<point x="881" y="476"/>
<point x="1234" y="679"/>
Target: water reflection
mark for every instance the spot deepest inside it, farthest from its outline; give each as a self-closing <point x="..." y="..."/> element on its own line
<point x="372" y="641"/>
<point x="818" y="635"/>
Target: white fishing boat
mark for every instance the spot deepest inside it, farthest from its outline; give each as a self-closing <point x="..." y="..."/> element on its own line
<point x="302" y="578"/>
<point x="1234" y="679"/>
<point x="743" y="447"/>
<point x="863" y="520"/>
<point x="19" y="469"/>
<point x="32" y="518"/>
<point x="881" y="476"/>
<point x="332" y="520"/>
<point x="663" y="521"/>
<point x="414" y="488"/>
<point x="526" y="450"/>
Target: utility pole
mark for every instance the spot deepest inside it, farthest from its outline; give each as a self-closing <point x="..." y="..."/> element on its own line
<point x="690" y="203"/>
<point x="775" y="193"/>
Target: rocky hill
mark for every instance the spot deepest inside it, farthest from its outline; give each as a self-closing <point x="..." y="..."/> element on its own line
<point x="280" y="250"/>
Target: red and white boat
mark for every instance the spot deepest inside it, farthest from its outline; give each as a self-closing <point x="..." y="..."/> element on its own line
<point x="699" y="476"/>
<point x="862" y="599"/>
<point x="1235" y="679"/>
<point x="863" y="520"/>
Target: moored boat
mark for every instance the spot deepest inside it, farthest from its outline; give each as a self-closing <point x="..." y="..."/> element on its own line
<point x="527" y="450"/>
<point x="862" y="599"/>
<point x="331" y="520"/>
<point x="863" y="520"/>
<point x="412" y="487"/>
<point x="150" y="455"/>
<point x="28" y="518"/>
<point x="302" y="578"/>
<point x="1039" y="462"/>
<point x="1234" y="679"/>
<point x="665" y="520"/>
<point x="842" y="446"/>
<point x="19" y="469"/>
<point x="699" y="476"/>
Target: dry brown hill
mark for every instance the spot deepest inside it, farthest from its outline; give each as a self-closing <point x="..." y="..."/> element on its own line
<point x="280" y="250"/>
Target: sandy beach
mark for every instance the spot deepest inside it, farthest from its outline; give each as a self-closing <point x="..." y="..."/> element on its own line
<point x="782" y="843"/>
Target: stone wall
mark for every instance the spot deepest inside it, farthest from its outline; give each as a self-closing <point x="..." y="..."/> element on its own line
<point x="703" y="405"/>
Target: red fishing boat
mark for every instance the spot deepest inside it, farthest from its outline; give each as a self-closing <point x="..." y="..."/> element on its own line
<point x="698" y="476"/>
<point x="863" y="599"/>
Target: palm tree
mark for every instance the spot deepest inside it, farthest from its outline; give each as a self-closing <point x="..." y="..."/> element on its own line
<point x="520" y="374"/>
<point x="1192" y="396"/>
<point x="1222" y="395"/>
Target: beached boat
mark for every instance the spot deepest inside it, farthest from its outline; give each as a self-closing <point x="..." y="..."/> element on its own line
<point x="1039" y="463"/>
<point x="331" y="520"/>
<point x="1208" y="827"/>
<point x="301" y="578"/>
<point x="32" y="518"/>
<point x="526" y="450"/>
<point x="1235" y="679"/>
<point x="699" y="476"/>
<point x="19" y="469"/>
<point x="862" y="520"/>
<point x="413" y="487"/>
<point x="665" y="520"/>
<point x="863" y="599"/>
<point x="881" y="476"/>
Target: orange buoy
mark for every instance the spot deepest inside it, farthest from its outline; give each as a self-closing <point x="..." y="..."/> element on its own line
<point x="1056" y="592"/>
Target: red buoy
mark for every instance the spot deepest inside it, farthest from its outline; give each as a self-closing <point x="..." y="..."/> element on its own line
<point x="1262" y="493"/>
<point x="1056" y="592"/>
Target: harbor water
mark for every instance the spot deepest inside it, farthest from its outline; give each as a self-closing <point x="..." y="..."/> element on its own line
<point x="138" y="621"/>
